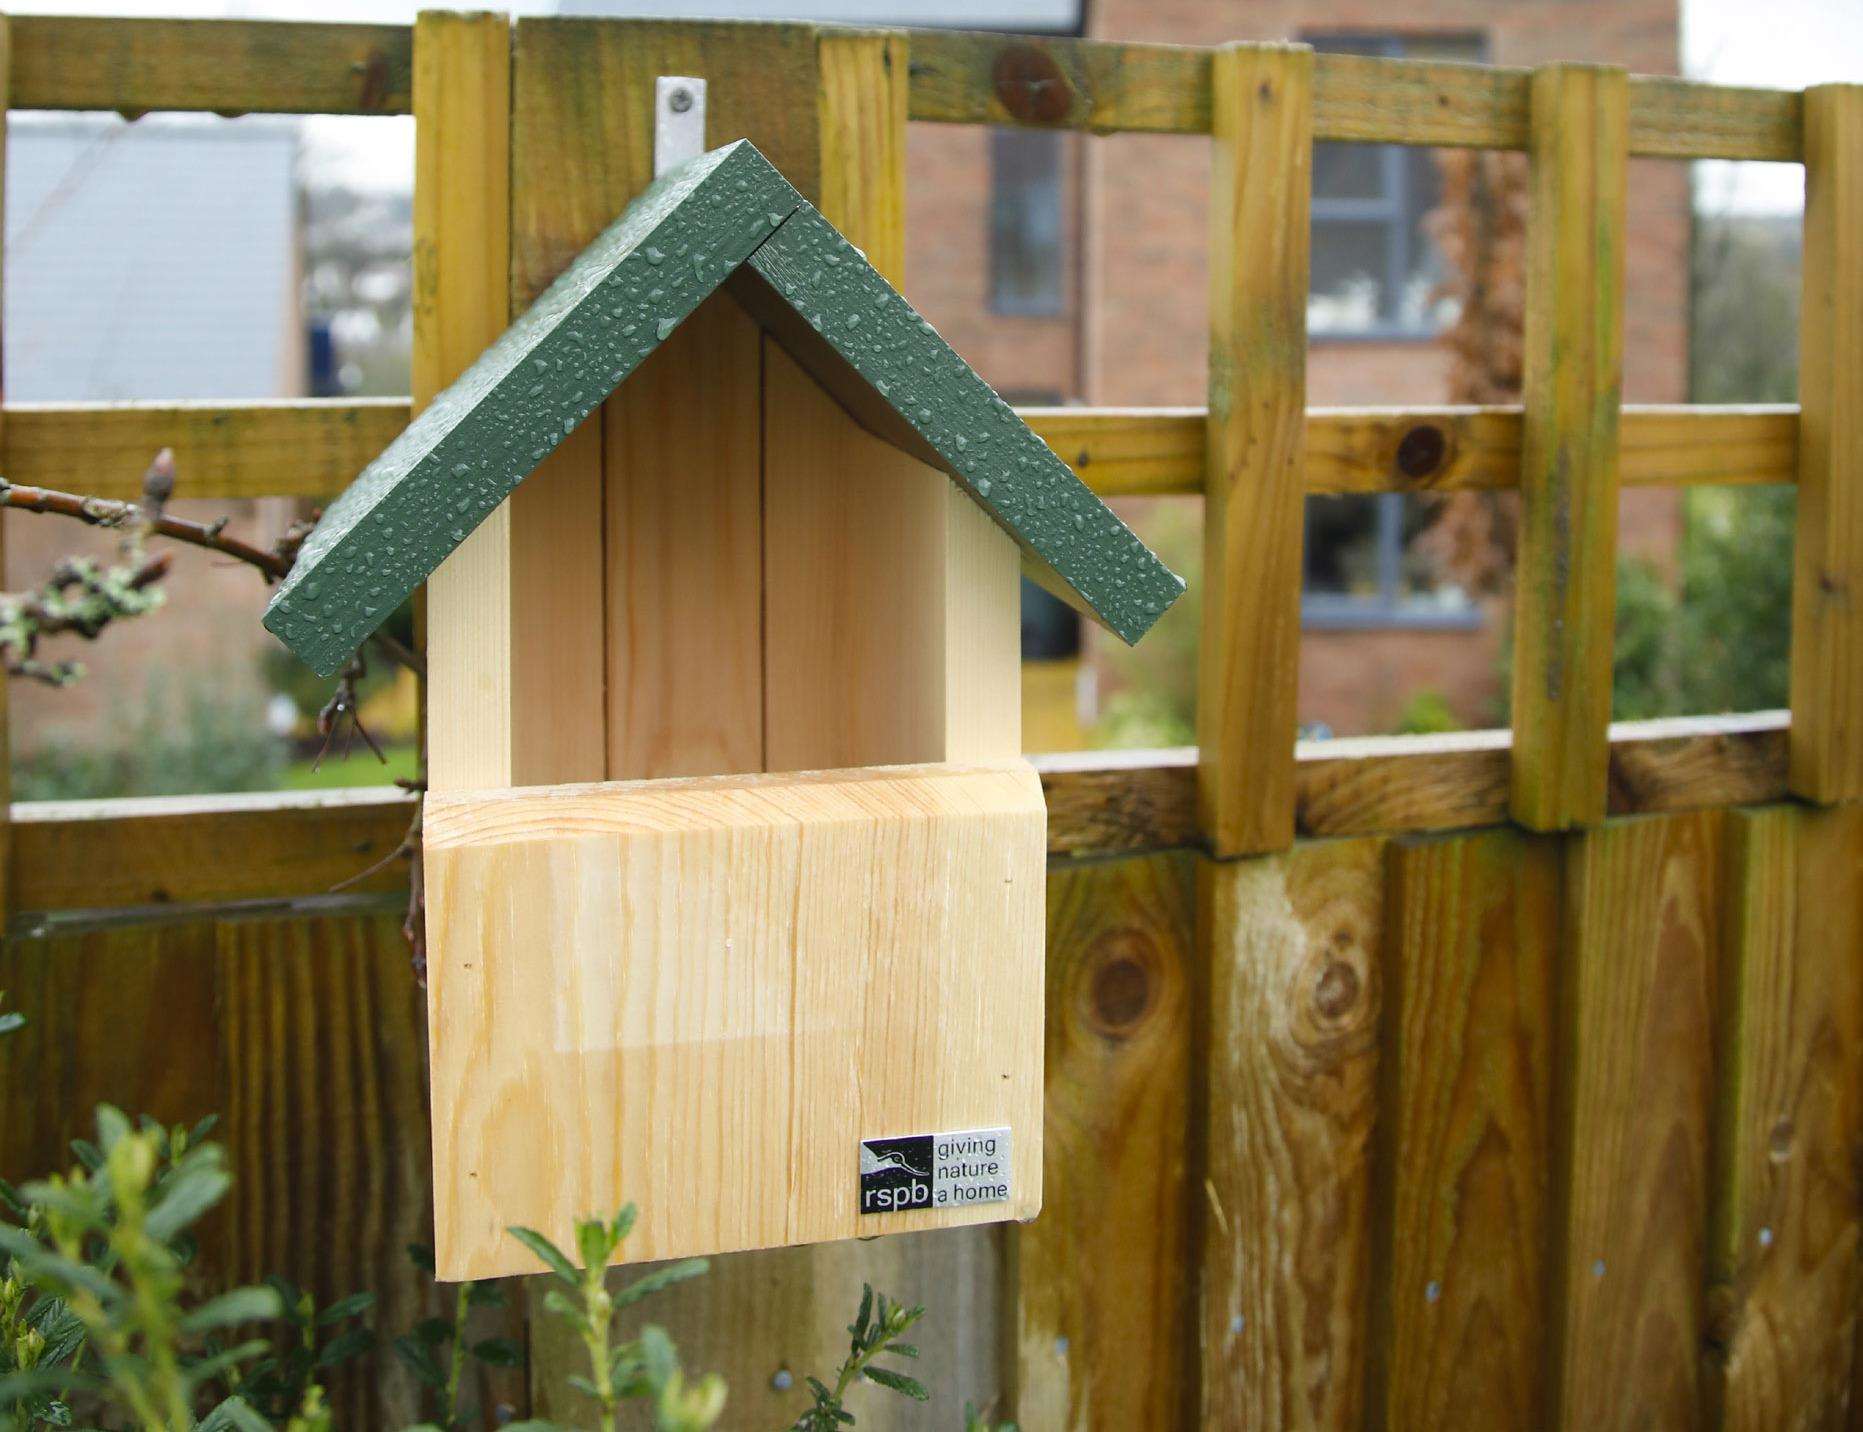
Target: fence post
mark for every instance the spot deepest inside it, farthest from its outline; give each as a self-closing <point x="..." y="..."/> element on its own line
<point x="1565" y="591"/>
<point x="1827" y="577"/>
<point x="462" y="268"/>
<point x="1249" y="657"/>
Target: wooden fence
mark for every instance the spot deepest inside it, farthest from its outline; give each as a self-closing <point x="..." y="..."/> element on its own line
<point x="1492" y="1080"/>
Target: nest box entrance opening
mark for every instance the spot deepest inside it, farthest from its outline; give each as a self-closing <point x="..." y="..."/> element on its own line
<point x="771" y="1003"/>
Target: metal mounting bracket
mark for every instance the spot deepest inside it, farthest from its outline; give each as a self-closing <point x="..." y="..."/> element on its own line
<point x="678" y="121"/>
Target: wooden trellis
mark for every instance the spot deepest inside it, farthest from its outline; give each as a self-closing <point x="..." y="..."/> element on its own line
<point x="1487" y="1077"/>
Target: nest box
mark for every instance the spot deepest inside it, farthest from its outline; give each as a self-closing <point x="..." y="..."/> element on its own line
<point x="772" y="1006"/>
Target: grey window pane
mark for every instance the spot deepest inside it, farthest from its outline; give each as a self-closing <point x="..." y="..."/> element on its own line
<point x="1026" y="228"/>
<point x="1349" y="289"/>
<point x="1347" y="171"/>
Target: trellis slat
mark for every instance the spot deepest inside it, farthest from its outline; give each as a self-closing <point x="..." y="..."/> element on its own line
<point x="1565" y="577"/>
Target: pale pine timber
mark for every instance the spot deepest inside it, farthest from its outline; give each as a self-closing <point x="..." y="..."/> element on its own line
<point x="682" y="960"/>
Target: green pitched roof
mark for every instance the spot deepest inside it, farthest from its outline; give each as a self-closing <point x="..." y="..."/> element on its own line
<point x="726" y="218"/>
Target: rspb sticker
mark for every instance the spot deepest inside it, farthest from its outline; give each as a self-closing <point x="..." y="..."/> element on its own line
<point x="934" y="1170"/>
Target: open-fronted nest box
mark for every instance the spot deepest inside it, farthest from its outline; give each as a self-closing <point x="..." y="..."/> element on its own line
<point x="770" y="1008"/>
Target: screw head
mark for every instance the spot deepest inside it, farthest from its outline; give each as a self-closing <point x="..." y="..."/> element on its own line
<point x="680" y="100"/>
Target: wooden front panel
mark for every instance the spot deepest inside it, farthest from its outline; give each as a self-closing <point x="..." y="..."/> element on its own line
<point x="700" y="995"/>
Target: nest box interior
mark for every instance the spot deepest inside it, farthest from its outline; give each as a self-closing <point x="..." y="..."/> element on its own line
<point x="772" y="969"/>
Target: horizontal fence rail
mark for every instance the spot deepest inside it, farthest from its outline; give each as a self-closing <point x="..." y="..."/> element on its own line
<point x="1106" y="87"/>
<point x="314" y="448"/>
<point x="204" y="850"/>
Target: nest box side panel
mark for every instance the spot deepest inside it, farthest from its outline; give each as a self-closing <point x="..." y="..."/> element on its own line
<point x="892" y="605"/>
<point x="702" y="995"/>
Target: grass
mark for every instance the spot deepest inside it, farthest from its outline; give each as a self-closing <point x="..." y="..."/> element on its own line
<point x="361" y="769"/>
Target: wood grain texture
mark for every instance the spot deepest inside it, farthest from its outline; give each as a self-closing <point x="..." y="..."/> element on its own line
<point x="1292" y="1049"/>
<point x="462" y="169"/>
<point x="306" y="1036"/>
<point x="1566" y="567"/>
<point x="220" y="66"/>
<point x="685" y="555"/>
<point x="315" y="447"/>
<point x="1104" y="1310"/>
<point x="723" y="954"/>
<point x="1109" y="87"/>
<point x="180" y="850"/>
<point x="1460" y="1278"/>
<point x="1782" y="1269"/>
<point x="1827" y="628"/>
<point x="187" y="850"/>
<point x="291" y="448"/>
<point x="1634" y="1101"/>
<point x="1249" y="654"/>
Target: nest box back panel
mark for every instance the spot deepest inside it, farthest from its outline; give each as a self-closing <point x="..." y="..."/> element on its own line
<point x="769" y="1009"/>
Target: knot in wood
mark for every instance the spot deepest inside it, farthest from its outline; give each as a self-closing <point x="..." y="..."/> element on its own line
<point x="1420" y="452"/>
<point x="1030" y="85"/>
<point x="1121" y="983"/>
<point x="1336" y="993"/>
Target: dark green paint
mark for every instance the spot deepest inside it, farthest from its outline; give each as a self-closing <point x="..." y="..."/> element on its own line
<point x="621" y="298"/>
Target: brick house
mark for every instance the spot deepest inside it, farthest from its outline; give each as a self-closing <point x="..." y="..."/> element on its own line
<point x="1073" y="269"/>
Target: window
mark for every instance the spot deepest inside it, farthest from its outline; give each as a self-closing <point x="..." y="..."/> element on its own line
<point x="1375" y="272"/>
<point x="1025" y="222"/>
<point x="1360" y="570"/>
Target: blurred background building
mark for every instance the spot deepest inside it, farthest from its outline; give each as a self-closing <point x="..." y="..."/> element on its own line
<point x="214" y="259"/>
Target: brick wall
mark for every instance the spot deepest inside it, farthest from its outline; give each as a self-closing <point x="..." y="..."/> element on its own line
<point x="1135" y="330"/>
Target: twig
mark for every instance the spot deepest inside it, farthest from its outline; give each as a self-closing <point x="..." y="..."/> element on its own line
<point x="104" y="512"/>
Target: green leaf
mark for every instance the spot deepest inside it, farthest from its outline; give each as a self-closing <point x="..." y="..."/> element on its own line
<point x="421" y="1256"/>
<point x="38" y="1262"/>
<point x="594" y="1243"/>
<point x="111" y="1126"/>
<point x="88" y="1154"/>
<point x="433" y="1331"/>
<point x="419" y="1361"/>
<point x="664" y="1277"/>
<point x="11" y="1020"/>
<point x="549" y="1254"/>
<point x="898" y="1382"/>
<point x="657" y="1354"/>
<point x="353" y="1305"/>
<point x="52" y="1413"/>
<point x="18" y="1386"/>
<point x="583" y="1385"/>
<point x="193" y="1190"/>
<point x="234" y="1415"/>
<point x="859" y="1328"/>
<point x="903" y="1349"/>
<point x="9" y="1196"/>
<point x="208" y="1368"/>
<point x="239" y="1305"/>
<point x="486" y="1295"/>
<point x="624" y="1223"/>
<point x="569" y="1309"/>
<point x="344" y="1346"/>
<point x="498" y="1352"/>
<point x="205" y="1127"/>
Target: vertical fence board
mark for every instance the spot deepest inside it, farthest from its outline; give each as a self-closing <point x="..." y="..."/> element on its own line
<point x="1249" y="655"/>
<point x="1782" y="1284"/>
<point x="1458" y="1292"/>
<point x="1636" y="1075"/>
<point x="1103" y="1306"/>
<point x="1827" y="582"/>
<point x="1293" y="948"/>
<point x="319" y="1026"/>
<point x="1565" y="584"/>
